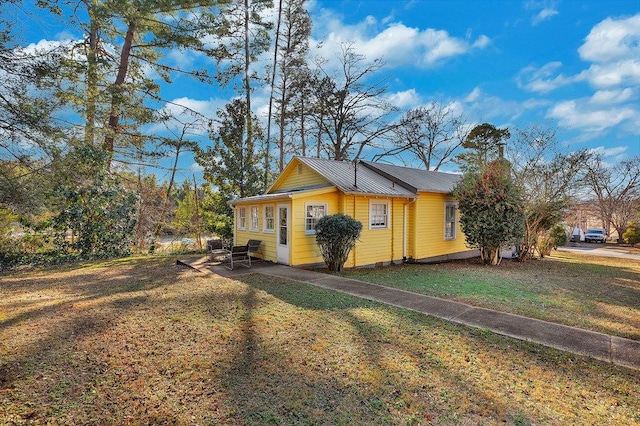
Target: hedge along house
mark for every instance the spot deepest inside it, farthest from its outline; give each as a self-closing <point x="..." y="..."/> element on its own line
<point x="407" y="214"/>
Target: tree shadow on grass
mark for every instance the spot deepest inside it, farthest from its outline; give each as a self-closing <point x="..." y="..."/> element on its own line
<point x="58" y="311"/>
<point x="280" y="385"/>
<point x="544" y="289"/>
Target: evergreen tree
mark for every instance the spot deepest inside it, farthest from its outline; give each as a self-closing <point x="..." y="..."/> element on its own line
<point x="491" y="210"/>
<point x="292" y="84"/>
<point x="484" y="144"/>
<point x="234" y="162"/>
<point x="243" y="35"/>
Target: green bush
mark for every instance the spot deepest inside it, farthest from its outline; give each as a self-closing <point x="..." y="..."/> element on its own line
<point x="559" y="235"/>
<point x="632" y="234"/>
<point x="492" y="213"/>
<point x="336" y="235"/>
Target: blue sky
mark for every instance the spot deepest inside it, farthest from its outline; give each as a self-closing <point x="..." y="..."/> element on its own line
<point x="569" y="65"/>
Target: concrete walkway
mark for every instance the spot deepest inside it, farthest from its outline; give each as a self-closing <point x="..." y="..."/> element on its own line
<point x="617" y="350"/>
<point x="604" y="251"/>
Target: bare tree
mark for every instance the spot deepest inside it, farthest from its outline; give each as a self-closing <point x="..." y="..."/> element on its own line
<point x="548" y="179"/>
<point x="353" y="115"/>
<point x="616" y="189"/>
<point x="433" y="134"/>
<point x="180" y="143"/>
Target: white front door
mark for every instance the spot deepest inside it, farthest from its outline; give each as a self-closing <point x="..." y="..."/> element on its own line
<point x="283" y="237"/>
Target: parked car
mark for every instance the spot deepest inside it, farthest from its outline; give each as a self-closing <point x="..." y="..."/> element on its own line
<point x="596" y="235"/>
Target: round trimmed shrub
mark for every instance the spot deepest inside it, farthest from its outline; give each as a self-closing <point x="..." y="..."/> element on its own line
<point x="336" y="235"/>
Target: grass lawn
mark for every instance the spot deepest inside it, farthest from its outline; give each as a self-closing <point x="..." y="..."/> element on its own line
<point x="141" y="341"/>
<point x="595" y="293"/>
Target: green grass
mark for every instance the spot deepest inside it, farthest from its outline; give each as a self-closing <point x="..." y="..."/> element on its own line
<point x="144" y="342"/>
<point x="595" y="293"/>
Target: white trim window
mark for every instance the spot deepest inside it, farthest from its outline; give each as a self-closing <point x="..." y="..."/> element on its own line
<point x="269" y="219"/>
<point x="378" y="214"/>
<point x="253" y="218"/>
<point x="242" y="218"/>
<point x="313" y="213"/>
<point x="450" y="213"/>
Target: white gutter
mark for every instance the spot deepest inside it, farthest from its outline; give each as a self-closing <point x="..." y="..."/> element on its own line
<point x="404" y="228"/>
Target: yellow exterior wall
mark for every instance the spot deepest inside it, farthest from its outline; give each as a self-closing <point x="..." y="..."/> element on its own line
<point x="424" y="229"/>
<point x="411" y="229"/>
<point x="268" y="247"/>
<point x="298" y="175"/>
<point x="375" y="245"/>
<point x="428" y="228"/>
<point x="304" y="250"/>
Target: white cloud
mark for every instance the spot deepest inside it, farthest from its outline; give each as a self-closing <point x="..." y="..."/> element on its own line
<point x="396" y="43"/>
<point x="579" y="114"/>
<point x="544" y="15"/>
<point x="189" y="112"/>
<point x="195" y="168"/>
<point x="487" y="107"/>
<point x="439" y="45"/>
<point x="543" y="79"/>
<point x="180" y="106"/>
<point x="482" y="42"/>
<point x="614" y="73"/>
<point x="474" y="95"/>
<point x="611" y="155"/>
<point x="611" y="96"/>
<point x="404" y="99"/>
<point x="612" y="39"/>
<point x="612" y="47"/>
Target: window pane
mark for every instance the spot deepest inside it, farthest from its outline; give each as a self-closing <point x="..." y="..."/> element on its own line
<point x="314" y="212"/>
<point x="378" y="215"/>
<point x="268" y="218"/>
<point x="282" y="234"/>
<point x="450" y="221"/>
<point x="253" y="218"/>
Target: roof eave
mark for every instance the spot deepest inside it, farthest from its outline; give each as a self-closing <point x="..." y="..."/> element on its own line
<point x="277" y="196"/>
<point x="379" y="194"/>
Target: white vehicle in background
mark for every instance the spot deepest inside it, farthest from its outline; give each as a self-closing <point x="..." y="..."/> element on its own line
<point x="596" y="235"/>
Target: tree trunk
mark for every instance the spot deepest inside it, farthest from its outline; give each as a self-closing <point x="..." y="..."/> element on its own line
<point x="247" y="82"/>
<point x="273" y="81"/>
<point x="92" y="77"/>
<point x="156" y="233"/>
<point x="116" y="91"/>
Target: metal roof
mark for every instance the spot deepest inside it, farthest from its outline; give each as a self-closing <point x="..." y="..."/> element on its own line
<point x="353" y="178"/>
<point x="368" y="178"/>
<point x="264" y="197"/>
<point x="417" y="179"/>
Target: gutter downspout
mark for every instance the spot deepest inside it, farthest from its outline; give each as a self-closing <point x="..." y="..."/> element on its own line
<point x="355" y="247"/>
<point x="404" y="229"/>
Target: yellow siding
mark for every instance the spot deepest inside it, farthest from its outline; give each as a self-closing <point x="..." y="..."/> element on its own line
<point x="375" y="245"/>
<point x="411" y="230"/>
<point x="304" y="250"/>
<point x="298" y="175"/>
<point x="424" y="236"/>
<point x="268" y="238"/>
<point x="428" y="233"/>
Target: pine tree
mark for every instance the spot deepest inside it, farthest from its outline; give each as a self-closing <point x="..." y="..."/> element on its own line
<point x="234" y="162"/>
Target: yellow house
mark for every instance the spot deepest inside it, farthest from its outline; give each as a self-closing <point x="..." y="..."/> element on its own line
<point x="406" y="214"/>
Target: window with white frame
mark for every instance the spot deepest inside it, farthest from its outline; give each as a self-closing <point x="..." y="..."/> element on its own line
<point x="242" y="218"/>
<point x="269" y="219"/>
<point x="253" y="218"/>
<point x="313" y="213"/>
<point x="378" y="214"/>
<point x="450" y="221"/>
